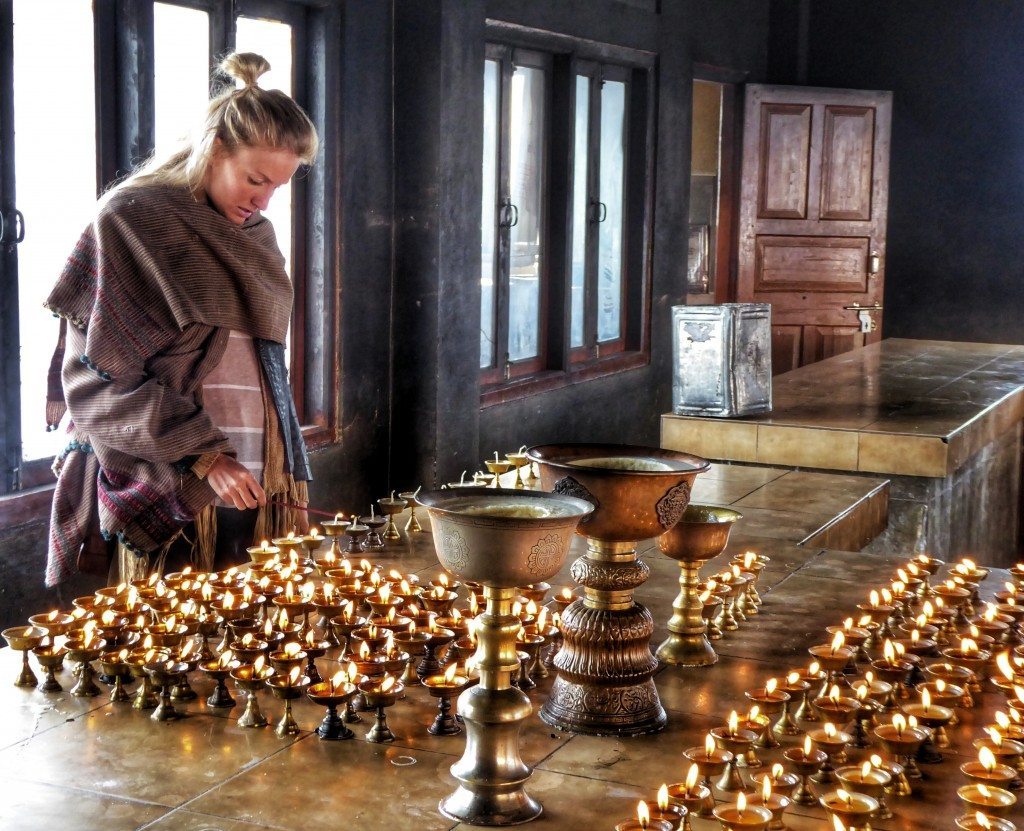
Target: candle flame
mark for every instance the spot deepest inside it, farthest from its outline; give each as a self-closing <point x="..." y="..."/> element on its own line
<point x="940" y="685"/>
<point x="1005" y="667"/>
<point x="769" y="688"/>
<point x="734" y="722"/>
<point x="844" y="796"/>
<point x="292" y="649"/>
<point x="833" y="694"/>
<point x="691" y="777"/>
<point x="865" y="769"/>
<point x="862" y="692"/>
<point x="229" y="600"/>
<point x="982" y="820"/>
<point x="926" y="699"/>
<point x="352" y="671"/>
<point x="449" y="674"/>
<point x="388" y="683"/>
<point x="663" y="797"/>
<point x="777" y="771"/>
<point x="889" y="651"/>
<point x="225" y="658"/>
<point x="995" y="735"/>
<point x="258" y="664"/>
<point x="987" y="759"/>
<point x="709" y="745"/>
<point x="985" y="792"/>
<point x="830" y="729"/>
<point x="293" y="676"/>
<point x="766" y="789"/>
<point x="792" y="679"/>
<point x="364" y="651"/>
<point x="874" y="598"/>
<point x="968" y="646"/>
<point x="807" y="746"/>
<point x="814" y="668"/>
<point x="741" y="802"/>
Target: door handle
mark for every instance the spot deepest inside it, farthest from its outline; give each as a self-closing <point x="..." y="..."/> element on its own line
<point x="857" y="307"/>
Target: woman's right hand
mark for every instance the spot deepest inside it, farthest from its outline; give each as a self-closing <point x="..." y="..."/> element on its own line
<point x="234" y="484"/>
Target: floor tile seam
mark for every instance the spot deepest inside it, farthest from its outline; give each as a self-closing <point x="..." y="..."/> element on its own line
<point x="254" y="825"/>
<point x="240" y="772"/>
<point x="131" y="800"/>
<point x="62" y="723"/>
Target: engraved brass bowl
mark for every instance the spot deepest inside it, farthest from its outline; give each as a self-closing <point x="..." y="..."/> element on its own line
<point x="637" y="492"/>
<point x="476" y="541"/>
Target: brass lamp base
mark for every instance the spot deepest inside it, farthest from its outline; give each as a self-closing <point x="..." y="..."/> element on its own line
<point x="605" y="683"/>
<point x="492" y="773"/>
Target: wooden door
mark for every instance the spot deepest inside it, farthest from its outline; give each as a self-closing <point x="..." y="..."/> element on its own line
<point x="813" y="206"/>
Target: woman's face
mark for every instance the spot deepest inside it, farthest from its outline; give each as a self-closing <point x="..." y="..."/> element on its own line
<point x="240" y="183"/>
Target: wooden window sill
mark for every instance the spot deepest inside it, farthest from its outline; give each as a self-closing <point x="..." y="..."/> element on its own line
<point x="556" y="379"/>
<point x="25" y="507"/>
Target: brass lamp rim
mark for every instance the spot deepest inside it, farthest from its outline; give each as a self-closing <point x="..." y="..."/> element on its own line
<point x="704" y="514"/>
<point x="436" y="500"/>
<point x="561" y="457"/>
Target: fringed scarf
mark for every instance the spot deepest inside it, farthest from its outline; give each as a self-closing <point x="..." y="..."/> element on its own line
<point x="151" y="291"/>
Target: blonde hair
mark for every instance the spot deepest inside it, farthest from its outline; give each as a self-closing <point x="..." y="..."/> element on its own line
<point x="243" y="116"/>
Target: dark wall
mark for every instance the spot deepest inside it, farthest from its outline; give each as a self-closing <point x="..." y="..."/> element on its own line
<point x="956" y="208"/>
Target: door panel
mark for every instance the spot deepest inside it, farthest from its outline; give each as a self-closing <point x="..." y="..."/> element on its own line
<point x="822" y="342"/>
<point x="819" y="264"/>
<point x="786" y="348"/>
<point x="813" y="211"/>
<point x="785" y="145"/>
<point x="846" y="163"/>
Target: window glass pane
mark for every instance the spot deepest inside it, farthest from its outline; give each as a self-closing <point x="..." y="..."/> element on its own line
<point x="579" y="210"/>
<point x="526" y="160"/>
<point x="55" y="176"/>
<point x="609" y="244"/>
<point x="273" y="40"/>
<point x="181" y="67"/>
<point x="488" y="220"/>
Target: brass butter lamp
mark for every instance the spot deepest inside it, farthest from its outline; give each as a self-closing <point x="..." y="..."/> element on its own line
<point x="701" y="535"/>
<point x="501" y="539"/>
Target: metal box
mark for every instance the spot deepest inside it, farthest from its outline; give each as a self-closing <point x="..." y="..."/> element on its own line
<point x="722" y="359"/>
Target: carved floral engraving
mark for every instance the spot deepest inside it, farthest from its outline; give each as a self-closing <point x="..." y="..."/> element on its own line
<point x="568" y="486"/>
<point x="546" y="556"/>
<point x="671" y="506"/>
<point x="454" y="550"/>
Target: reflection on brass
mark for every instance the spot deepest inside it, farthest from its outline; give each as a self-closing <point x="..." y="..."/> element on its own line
<point x="701" y="534"/>
<point x="501" y="550"/>
<point x="605" y="666"/>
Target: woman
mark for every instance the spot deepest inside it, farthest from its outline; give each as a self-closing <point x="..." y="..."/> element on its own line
<point x="174" y="374"/>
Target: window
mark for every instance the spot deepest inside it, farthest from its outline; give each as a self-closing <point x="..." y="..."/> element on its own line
<point x="112" y="114"/>
<point x="514" y="275"/>
<point x="565" y="213"/>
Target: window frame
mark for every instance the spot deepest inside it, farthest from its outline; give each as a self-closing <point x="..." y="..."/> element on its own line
<point x="125" y="110"/>
<point x="566" y="365"/>
<point x="502" y="368"/>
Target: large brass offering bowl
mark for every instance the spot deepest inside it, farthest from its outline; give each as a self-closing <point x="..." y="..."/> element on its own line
<point x="501" y="538"/>
<point x="605" y="668"/>
<point x="637" y="492"/>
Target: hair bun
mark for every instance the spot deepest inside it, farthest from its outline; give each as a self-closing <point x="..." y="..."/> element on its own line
<point x="246" y="67"/>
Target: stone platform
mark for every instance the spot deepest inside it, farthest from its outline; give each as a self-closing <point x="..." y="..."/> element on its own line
<point x="941" y="420"/>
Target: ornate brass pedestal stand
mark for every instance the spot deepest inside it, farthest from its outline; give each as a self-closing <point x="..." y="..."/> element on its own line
<point x="701" y="534"/>
<point x="605" y="666"/>
<point x="502" y="539"/>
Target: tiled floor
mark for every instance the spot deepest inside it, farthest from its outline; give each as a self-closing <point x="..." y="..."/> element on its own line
<point x="86" y="764"/>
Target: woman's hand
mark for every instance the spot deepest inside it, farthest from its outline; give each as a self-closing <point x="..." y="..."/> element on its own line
<point x="234" y="484"/>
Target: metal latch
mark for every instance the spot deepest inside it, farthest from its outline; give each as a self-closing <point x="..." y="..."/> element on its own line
<point x="867" y="324"/>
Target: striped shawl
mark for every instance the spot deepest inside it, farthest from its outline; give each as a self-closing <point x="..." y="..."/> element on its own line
<point x="151" y="291"/>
